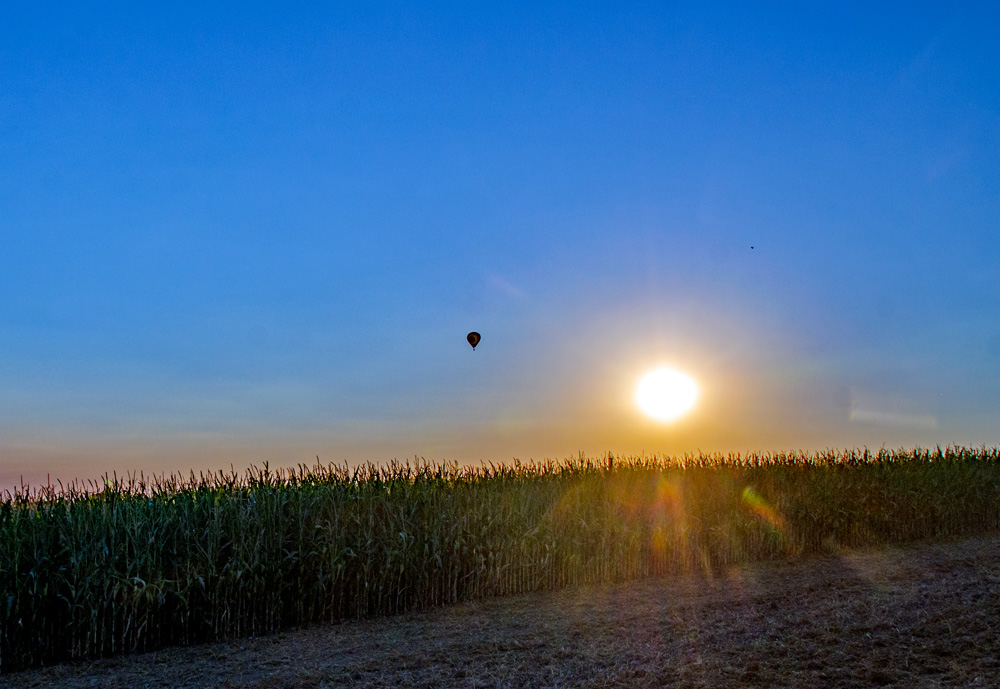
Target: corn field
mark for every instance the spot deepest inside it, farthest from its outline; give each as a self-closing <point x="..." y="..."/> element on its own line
<point x="133" y="564"/>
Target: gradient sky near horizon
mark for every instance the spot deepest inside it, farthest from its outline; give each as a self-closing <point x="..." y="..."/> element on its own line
<point x="240" y="233"/>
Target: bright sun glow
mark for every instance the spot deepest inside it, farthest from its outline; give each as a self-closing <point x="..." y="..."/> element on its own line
<point x="666" y="394"/>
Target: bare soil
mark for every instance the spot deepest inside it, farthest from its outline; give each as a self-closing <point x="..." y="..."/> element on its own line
<point x="927" y="615"/>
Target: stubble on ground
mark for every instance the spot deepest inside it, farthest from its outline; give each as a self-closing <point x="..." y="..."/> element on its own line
<point x="922" y="616"/>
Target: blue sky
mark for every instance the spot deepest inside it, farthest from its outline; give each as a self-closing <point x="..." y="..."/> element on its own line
<point x="249" y="233"/>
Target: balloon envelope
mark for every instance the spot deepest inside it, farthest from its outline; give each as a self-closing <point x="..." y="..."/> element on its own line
<point x="473" y="339"/>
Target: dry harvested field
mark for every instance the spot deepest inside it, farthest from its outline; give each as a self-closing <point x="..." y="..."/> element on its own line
<point x="926" y="615"/>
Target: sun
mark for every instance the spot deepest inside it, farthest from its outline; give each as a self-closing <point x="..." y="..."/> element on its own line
<point x="666" y="394"/>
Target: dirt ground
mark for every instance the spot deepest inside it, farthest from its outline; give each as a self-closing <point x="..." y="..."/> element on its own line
<point x="923" y="616"/>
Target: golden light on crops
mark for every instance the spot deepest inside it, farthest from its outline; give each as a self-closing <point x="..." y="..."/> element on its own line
<point x="443" y="534"/>
<point x="666" y="394"/>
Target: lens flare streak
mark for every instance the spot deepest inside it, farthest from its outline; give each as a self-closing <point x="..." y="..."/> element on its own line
<point x="759" y="506"/>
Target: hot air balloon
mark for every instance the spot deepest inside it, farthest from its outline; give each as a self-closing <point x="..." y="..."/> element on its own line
<point x="473" y="339"/>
